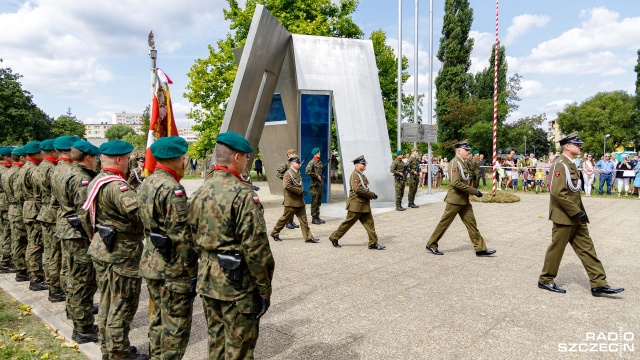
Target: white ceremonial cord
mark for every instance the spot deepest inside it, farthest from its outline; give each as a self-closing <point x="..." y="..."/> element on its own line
<point x="464" y="177"/>
<point x="362" y="181"/>
<point x="293" y="178"/>
<point x="570" y="183"/>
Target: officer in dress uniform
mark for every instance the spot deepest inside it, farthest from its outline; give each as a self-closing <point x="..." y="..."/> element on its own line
<point x="291" y="153"/>
<point x="457" y="200"/>
<point x="570" y="220"/>
<point x="398" y="168"/>
<point x="358" y="207"/>
<point x="136" y="175"/>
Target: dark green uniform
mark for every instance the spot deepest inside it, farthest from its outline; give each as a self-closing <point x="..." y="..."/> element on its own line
<point x="564" y="204"/>
<point x="473" y="171"/>
<point x="5" y="229"/>
<point x="397" y="169"/>
<point x="47" y="220"/>
<point x="136" y="177"/>
<point x="413" y="167"/>
<point x="13" y="189"/>
<point x="316" y="186"/>
<point x="81" y="280"/>
<point x="457" y="200"/>
<point x="226" y="216"/>
<point x="163" y="210"/>
<point x="293" y="205"/>
<point x="117" y="272"/>
<point x="358" y="208"/>
<point x="59" y="192"/>
<point x="30" y="210"/>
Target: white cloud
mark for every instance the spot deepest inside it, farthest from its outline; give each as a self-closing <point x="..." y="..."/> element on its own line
<point x="522" y="24"/>
<point x="483" y="45"/>
<point x="531" y="88"/>
<point x="556" y="105"/>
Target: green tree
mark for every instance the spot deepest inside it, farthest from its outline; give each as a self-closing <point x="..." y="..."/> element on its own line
<point x="20" y="119"/>
<point x="603" y="113"/>
<point x="211" y="79"/>
<point x="67" y="124"/>
<point x="453" y="80"/>
<point x="139" y="141"/>
<point x="527" y="131"/>
<point x="118" y="132"/>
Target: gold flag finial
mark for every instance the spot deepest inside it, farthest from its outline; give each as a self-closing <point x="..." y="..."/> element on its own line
<point x="152" y="44"/>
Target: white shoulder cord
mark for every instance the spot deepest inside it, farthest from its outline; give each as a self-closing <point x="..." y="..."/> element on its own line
<point x="570" y="185"/>
<point x="464" y="177"/>
<point x="362" y="181"/>
<point x="293" y="179"/>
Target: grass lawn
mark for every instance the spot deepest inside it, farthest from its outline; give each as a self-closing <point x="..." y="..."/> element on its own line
<point x="23" y="336"/>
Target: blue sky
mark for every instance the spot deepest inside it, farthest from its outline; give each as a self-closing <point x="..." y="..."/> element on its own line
<point x="94" y="59"/>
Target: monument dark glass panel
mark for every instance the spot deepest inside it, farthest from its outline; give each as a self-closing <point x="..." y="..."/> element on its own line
<point x="276" y="110"/>
<point x="315" y="131"/>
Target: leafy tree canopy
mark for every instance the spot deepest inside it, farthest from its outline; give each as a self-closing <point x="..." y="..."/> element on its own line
<point x="67" y="124"/>
<point x="118" y="132"/>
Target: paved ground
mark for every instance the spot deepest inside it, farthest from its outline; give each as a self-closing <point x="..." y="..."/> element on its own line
<point x="404" y="303"/>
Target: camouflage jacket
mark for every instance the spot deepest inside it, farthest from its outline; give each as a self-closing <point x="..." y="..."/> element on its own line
<point x="397" y="169"/>
<point x="136" y="177"/>
<point x="42" y="180"/>
<point x="359" y="194"/>
<point x="281" y="170"/>
<point x="314" y="170"/>
<point x="31" y="206"/>
<point x="116" y="205"/>
<point x="75" y="182"/>
<point x="14" y="188"/>
<point x="58" y="190"/>
<point x="7" y="184"/>
<point x="225" y="215"/>
<point x="4" y="201"/>
<point x="163" y="210"/>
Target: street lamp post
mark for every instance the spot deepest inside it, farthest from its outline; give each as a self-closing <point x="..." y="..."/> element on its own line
<point x="604" y="144"/>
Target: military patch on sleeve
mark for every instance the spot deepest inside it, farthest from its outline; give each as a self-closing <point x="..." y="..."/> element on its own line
<point x="557" y="173"/>
<point x="454" y="170"/>
<point x="286" y="177"/>
<point x="256" y="199"/>
<point x="84" y="182"/>
<point x="178" y="192"/>
<point x="355" y="180"/>
<point x="124" y="188"/>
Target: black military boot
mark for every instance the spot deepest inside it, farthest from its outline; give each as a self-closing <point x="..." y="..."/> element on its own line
<point x="413" y="206"/>
<point x="59" y="297"/>
<point x="400" y="208"/>
<point x="7" y="269"/>
<point x="290" y="225"/>
<point x="316" y="221"/>
<point x="321" y="221"/>
<point x="38" y="285"/>
<point x="22" y="276"/>
<point x="86" y="337"/>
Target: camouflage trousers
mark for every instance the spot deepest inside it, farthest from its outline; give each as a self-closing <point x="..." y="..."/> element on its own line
<point x="18" y="239"/>
<point x="399" y="191"/>
<point x="316" y="200"/>
<point x="5" y="239"/>
<point x="52" y="258"/>
<point x="80" y="285"/>
<point x="413" y="188"/>
<point x="35" y="249"/>
<point x="64" y="264"/>
<point x="119" y="298"/>
<point x="232" y="327"/>
<point x="170" y="321"/>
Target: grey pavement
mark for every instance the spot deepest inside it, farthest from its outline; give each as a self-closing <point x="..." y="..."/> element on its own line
<point x="404" y="303"/>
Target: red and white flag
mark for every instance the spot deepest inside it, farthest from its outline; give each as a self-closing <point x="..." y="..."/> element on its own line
<point x="162" y="122"/>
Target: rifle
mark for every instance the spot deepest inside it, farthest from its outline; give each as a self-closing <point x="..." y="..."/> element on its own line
<point x="303" y="161"/>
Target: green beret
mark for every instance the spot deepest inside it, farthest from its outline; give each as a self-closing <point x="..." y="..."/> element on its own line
<point x="399" y="152"/>
<point x="5" y="151"/>
<point x="18" y="151"/>
<point x="47" y="145"/>
<point x="169" y="147"/>
<point x="234" y="141"/>
<point x="86" y="147"/>
<point x="115" y="148"/>
<point x="475" y="152"/>
<point x="32" y="147"/>
<point x="315" y="151"/>
<point x="65" y="142"/>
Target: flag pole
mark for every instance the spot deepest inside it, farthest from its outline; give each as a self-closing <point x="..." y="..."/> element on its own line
<point x="153" y="54"/>
<point x="399" y="142"/>
<point x="495" y="105"/>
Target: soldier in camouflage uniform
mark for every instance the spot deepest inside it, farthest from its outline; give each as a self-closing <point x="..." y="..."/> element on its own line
<point x="5" y="230"/>
<point x="293" y="203"/>
<point x="30" y="210"/>
<point x="59" y="253"/>
<point x="81" y="280"/>
<point x="236" y="265"/>
<point x="136" y="175"/>
<point x="413" y="174"/>
<point x="47" y="220"/>
<point x="111" y="210"/>
<point x="457" y="200"/>
<point x="169" y="262"/>
<point x="280" y="174"/>
<point x="316" y="187"/>
<point x="473" y="170"/>
<point x="358" y="207"/>
<point x="398" y="169"/>
<point x="13" y="189"/>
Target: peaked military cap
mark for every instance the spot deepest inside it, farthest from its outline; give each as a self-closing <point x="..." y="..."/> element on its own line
<point x="169" y="147"/>
<point x="294" y="159"/>
<point x="399" y="152"/>
<point x="234" y="141"/>
<point x="65" y="142"/>
<point x="86" y="147"/>
<point x="18" y="151"/>
<point x="115" y="148"/>
<point x="32" y="147"/>
<point x="315" y="150"/>
<point x="47" y="145"/>
<point x="5" y="151"/>
<point x="462" y="145"/>
<point x="360" y="160"/>
<point x="571" y="139"/>
<point x="414" y="149"/>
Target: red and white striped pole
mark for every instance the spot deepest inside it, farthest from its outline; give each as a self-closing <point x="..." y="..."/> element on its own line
<point x="495" y="105"/>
